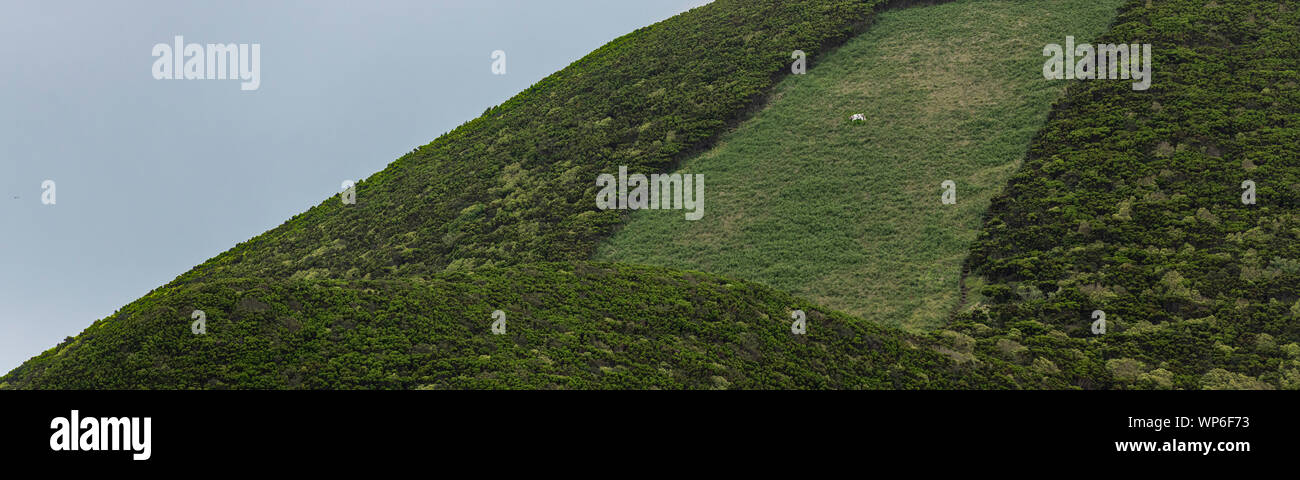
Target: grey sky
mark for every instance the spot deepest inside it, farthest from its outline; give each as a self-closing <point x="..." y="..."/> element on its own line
<point x="156" y="176"/>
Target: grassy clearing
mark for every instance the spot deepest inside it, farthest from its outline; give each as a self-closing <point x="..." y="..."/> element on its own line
<point x="849" y="215"/>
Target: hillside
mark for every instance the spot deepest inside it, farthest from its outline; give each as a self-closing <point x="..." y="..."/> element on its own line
<point x="849" y="215"/>
<point x="1125" y="201"/>
<point x="1131" y="202"/>
<point x="512" y="187"/>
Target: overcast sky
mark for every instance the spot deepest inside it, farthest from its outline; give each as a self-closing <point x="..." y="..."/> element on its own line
<point x="152" y="177"/>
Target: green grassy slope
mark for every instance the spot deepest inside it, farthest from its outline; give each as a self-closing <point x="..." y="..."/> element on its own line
<point x="1130" y="203"/>
<point x="567" y="326"/>
<point x="849" y="215"/>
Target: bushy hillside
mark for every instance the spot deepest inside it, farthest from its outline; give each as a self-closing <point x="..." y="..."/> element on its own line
<point x="1130" y="202"/>
<point x="567" y="326"/>
<point x="849" y="215"/>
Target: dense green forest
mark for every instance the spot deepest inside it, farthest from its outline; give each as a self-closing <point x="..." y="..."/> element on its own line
<point x="1128" y="202"/>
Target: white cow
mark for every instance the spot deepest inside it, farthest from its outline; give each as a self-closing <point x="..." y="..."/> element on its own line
<point x="858" y="117"/>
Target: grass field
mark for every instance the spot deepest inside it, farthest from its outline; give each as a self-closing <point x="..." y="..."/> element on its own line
<point x="849" y="215"/>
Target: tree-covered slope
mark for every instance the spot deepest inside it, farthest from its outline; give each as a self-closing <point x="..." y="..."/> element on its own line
<point x="1130" y="202"/>
<point x="849" y="215"/>
<point x="567" y="326"/>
